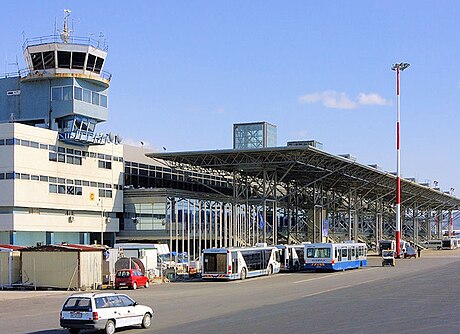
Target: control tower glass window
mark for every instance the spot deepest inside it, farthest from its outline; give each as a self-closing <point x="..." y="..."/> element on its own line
<point x="64" y="59"/>
<point x="78" y="60"/>
<point x="90" y="63"/>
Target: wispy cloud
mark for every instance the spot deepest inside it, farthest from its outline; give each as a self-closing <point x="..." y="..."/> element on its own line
<point x="373" y="99"/>
<point x="340" y="100"/>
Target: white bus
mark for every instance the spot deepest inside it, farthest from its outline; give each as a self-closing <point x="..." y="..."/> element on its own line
<point x="435" y="243"/>
<point x="387" y="245"/>
<point x="291" y="257"/>
<point x="240" y="263"/>
<point x="341" y="256"/>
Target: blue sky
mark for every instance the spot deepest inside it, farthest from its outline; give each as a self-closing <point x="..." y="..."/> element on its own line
<point x="185" y="71"/>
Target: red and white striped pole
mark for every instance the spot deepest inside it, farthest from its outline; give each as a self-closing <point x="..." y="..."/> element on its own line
<point x="398" y="68"/>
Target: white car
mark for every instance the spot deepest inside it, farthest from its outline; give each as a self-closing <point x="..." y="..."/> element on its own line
<point x="103" y="311"/>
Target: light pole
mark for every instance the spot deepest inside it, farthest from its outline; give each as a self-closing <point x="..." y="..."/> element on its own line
<point x="102" y="221"/>
<point x="398" y="68"/>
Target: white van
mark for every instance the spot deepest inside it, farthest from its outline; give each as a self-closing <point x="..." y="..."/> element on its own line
<point x="103" y="311"/>
<point x="437" y="244"/>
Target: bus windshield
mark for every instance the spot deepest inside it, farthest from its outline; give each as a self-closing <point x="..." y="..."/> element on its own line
<point x="215" y="263"/>
<point x="319" y="253"/>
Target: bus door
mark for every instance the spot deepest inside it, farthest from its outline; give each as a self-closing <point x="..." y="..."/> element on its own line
<point x="291" y="257"/>
<point x="338" y="254"/>
<point x="349" y="253"/>
<point x="235" y="263"/>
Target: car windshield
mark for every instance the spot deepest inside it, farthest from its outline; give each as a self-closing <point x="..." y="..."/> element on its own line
<point x="387" y="253"/>
<point x="77" y="304"/>
<point x="123" y="274"/>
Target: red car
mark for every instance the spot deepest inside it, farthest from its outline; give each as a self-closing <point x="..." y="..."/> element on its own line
<point x="130" y="278"/>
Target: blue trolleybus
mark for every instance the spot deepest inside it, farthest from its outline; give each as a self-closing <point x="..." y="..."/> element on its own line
<point x="240" y="263"/>
<point x="340" y="256"/>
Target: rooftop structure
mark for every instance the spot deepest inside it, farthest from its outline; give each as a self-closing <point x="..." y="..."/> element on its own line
<point x="63" y="88"/>
<point x="254" y="135"/>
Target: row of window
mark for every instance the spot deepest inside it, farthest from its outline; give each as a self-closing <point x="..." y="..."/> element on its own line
<point x="66" y="59"/>
<point x="58" y="149"/>
<point x="133" y="168"/>
<point x="75" y="190"/>
<point x="58" y="180"/>
<point x="68" y="93"/>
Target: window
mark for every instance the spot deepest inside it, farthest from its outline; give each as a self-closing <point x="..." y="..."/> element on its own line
<point x="78" y="191"/>
<point x="95" y="98"/>
<point x="11" y="176"/>
<point x="53" y="188"/>
<point x="61" y="189"/>
<point x="52" y="156"/>
<point x="64" y="59"/>
<point x="56" y="93"/>
<point x="34" y="144"/>
<point x="43" y="146"/>
<point x="43" y="178"/>
<point x="90" y="63"/>
<point x="98" y="66"/>
<point x="61" y="157"/>
<point x="48" y="59"/>
<point x="78" y="60"/>
<point x="34" y="177"/>
<point x="67" y="93"/>
<point x="86" y="95"/>
<point x="103" y="100"/>
<point x="78" y="93"/>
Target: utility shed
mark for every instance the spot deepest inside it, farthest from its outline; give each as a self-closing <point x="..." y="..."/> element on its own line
<point x="10" y="265"/>
<point x="66" y="266"/>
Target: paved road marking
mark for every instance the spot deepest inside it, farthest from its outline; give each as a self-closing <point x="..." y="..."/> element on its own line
<point x="340" y="287"/>
<point x="330" y="275"/>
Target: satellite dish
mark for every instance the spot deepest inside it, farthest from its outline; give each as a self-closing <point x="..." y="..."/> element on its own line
<point x="111" y="137"/>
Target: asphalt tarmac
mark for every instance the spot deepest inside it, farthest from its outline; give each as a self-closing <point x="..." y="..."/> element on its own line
<point x="416" y="296"/>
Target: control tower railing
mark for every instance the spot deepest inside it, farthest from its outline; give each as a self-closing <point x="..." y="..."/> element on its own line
<point x="92" y="41"/>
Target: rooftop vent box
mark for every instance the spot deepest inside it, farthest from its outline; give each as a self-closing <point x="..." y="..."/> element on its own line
<point x="312" y="143"/>
<point x="375" y="166"/>
<point x="348" y="156"/>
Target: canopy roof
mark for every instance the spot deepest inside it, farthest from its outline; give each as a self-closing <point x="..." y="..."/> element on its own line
<point x="306" y="165"/>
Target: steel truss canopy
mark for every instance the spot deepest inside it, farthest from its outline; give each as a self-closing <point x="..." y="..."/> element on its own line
<point x="304" y="166"/>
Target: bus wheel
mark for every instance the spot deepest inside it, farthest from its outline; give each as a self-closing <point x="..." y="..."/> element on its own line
<point x="270" y="270"/>
<point x="243" y="274"/>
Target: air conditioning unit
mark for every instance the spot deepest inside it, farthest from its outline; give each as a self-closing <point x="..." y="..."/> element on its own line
<point x="71" y="219"/>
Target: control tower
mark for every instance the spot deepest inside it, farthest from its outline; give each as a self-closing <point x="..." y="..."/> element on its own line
<point x="63" y="88"/>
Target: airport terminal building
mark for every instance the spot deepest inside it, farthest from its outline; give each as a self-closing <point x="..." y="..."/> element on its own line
<point x="62" y="181"/>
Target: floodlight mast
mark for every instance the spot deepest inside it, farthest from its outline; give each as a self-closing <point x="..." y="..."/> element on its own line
<point x="398" y="68"/>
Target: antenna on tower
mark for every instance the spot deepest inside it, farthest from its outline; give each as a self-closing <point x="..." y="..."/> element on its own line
<point x="65" y="31"/>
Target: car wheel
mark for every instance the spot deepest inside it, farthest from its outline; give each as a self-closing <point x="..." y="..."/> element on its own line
<point x="110" y="327"/>
<point x="146" y="320"/>
<point x="146" y="284"/>
<point x="270" y="270"/>
<point x="134" y="285"/>
<point x="74" y="330"/>
<point x="243" y="274"/>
